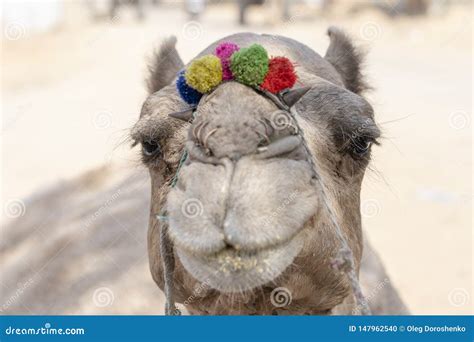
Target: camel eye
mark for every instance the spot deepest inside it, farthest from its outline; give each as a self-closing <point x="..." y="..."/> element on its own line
<point x="150" y="148"/>
<point x="361" y="146"/>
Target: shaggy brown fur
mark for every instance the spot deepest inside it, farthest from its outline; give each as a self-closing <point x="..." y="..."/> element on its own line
<point x="163" y="65"/>
<point x="347" y="59"/>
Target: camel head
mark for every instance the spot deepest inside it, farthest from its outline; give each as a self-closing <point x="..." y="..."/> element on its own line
<point x="244" y="208"/>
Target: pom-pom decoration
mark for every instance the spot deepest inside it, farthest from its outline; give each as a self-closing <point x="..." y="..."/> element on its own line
<point x="250" y="65"/>
<point x="204" y="73"/>
<point x="188" y="94"/>
<point x="224" y="51"/>
<point x="281" y="75"/>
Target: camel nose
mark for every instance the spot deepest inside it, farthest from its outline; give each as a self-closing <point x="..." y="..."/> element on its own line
<point x="235" y="156"/>
<point x="227" y="136"/>
<point x="229" y="239"/>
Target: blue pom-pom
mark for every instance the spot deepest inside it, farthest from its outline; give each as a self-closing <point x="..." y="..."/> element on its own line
<point x="188" y="94"/>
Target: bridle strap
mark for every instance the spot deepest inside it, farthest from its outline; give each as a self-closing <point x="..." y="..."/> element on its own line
<point x="167" y="257"/>
<point x="345" y="261"/>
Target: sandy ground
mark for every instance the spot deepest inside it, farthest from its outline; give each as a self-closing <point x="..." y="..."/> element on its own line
<point x="69" y="97"/>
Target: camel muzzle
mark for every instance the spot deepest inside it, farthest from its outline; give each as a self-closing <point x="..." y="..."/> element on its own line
<point x="231" y="218"/>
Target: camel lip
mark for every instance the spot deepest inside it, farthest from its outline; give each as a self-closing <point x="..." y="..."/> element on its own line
<point x="240" y="251"/>
<point x="231" y="270"/>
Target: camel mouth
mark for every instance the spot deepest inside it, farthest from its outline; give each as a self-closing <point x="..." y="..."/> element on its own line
<point x="235" y="271"/>
<point x="240" y="232"/>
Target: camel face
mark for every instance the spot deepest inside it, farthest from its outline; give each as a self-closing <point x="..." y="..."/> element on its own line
<point x="246" y="200"/>
<point x="246" y="213"/>
<point x="238" y="212"/>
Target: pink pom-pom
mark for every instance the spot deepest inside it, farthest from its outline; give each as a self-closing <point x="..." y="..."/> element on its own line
<point x="224" y="51"/>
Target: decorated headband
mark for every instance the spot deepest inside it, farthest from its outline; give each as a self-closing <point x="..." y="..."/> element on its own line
<point x="250" y="66"/>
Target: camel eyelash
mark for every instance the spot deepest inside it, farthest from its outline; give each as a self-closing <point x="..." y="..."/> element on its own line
<point x="150" y="148"/>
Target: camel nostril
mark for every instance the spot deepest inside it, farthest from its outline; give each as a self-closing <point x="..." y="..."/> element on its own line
<point x="229" y="244"/>
<point x="227" y="238"/>
<point x="235" y="156"/>
<point x="208" y="152"/>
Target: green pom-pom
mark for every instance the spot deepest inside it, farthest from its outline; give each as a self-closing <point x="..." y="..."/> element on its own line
<point x="204" y="73"/>
<point x="250" y="65"/>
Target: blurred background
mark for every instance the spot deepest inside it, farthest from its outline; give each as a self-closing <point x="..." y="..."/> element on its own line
<point x="75" y="198"/>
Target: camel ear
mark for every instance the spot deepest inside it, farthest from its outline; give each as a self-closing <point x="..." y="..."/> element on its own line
<point x="185" y="115"/>
<point x="347" y="60"/>
<point x="294" y="95"/>
<point x="164" y="65"/>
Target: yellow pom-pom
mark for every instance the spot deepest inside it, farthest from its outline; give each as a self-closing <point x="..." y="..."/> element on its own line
<point x="204" y="73"/>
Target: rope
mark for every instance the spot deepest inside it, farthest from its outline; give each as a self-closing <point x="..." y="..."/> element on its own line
<point x="180" y="165"/>
<point x="167" y="252"/>
<point x="345" y="261"/>
<point x="167" y="257"/>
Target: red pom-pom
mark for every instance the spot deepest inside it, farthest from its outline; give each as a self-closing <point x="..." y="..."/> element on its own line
<point x="281" y="75"/>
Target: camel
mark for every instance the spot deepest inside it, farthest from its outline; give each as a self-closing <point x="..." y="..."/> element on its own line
<point x="242" y="224"/>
